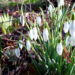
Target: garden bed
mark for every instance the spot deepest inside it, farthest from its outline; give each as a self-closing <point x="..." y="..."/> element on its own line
<point x="22" y="52"/>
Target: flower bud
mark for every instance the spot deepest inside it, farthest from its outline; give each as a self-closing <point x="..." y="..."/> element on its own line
<point x="17" y="52"/>
<point x="35" y="33"/>
<point x="31" y="34"/>
<point x="59" y="48"/>
<point x="45" y="34"/>
<point x="38" y="19"/>
<point x="66" y="27"/>
<point x="28" y="45"/>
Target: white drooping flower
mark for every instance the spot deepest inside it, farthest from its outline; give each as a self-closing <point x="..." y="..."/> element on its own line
<point x="66" y="27"/>
<point x="72" y="28"/>
<point x="35" y="33"/>
<point x="47" y="12"/>
<point x="60" y="14"/>
<point x="28" y="45"/>
<point x="72" y="41"/>
<point x="59" y="25"/>
<point x="60" y="3"/>
<point x="20" y="44"/>
<point x="27" y="14"/>
<point x="45" y="34"/>
<point x="50" y="9"/>
<point x="67" y="40"/>
<point x="38" y="20"/>
<point x="22" y="20"/>
<point x="31" y="34"/>
<point x="59" y="48"/>
<point x="17" y="52"/>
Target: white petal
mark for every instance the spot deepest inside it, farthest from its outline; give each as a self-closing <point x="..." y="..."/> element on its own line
<point x="20" y="45"/>
<point x="59" y="25"/>
<point x="72" y="28"/>
<point x="67" y="40"/>
<point x="50" y="8"/>
<point x="59" y="48"/>
<point x="72" y="41"/>
<point x="28" y="45"/>
<point x="66" y="27"/>
<point x="60" y="3"/>
<point x="31" y="34"/>
<point x="60" y="14"/>
<point x="22" y="20"/>
<point x="47" y="12"/>
<point x="17" y="52"/>
<point x="35" y="33"/>
<point x="45" y="34"/>
<point x="38" y="19"/>
<point x="27" y="14"/>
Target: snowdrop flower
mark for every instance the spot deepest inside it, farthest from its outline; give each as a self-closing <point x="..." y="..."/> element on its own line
<point x="27" y="14"/>
<point x="67" y="40"/>
<point x="59" y="48"/>
<point x="59" y="25"/>
<point x="35" y="33"/>
<point x="50" y="9"/>
<point x="47" y="12"/>
<point x="22" y="20"/>
<point x="66" y="27"/>
<point x="72" y="41"/>
<point x="60" y="13"/>
<point x="20" y="44"/>
<point x="17" y="52"/>
<point x="28" y="45"/>
<point x="60" y="3"/>
<point x="45" y="34"/>
<point x="72" y="28"/>
<point x="38" y="20"/>
<point x="31" y="34"/>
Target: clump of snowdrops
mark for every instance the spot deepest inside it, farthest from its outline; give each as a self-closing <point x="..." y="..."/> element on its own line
<point x="48" y="44"/>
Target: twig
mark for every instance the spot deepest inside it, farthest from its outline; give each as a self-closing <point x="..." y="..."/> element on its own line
<point x="26" y="6"/>
<point x="50" y="2"/>
<point x="7" y="2"/>
<point x="30" y="5"/>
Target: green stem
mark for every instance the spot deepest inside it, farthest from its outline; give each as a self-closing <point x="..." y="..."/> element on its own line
<point x="60" y="63"/>
<point x="4" y="30"/>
